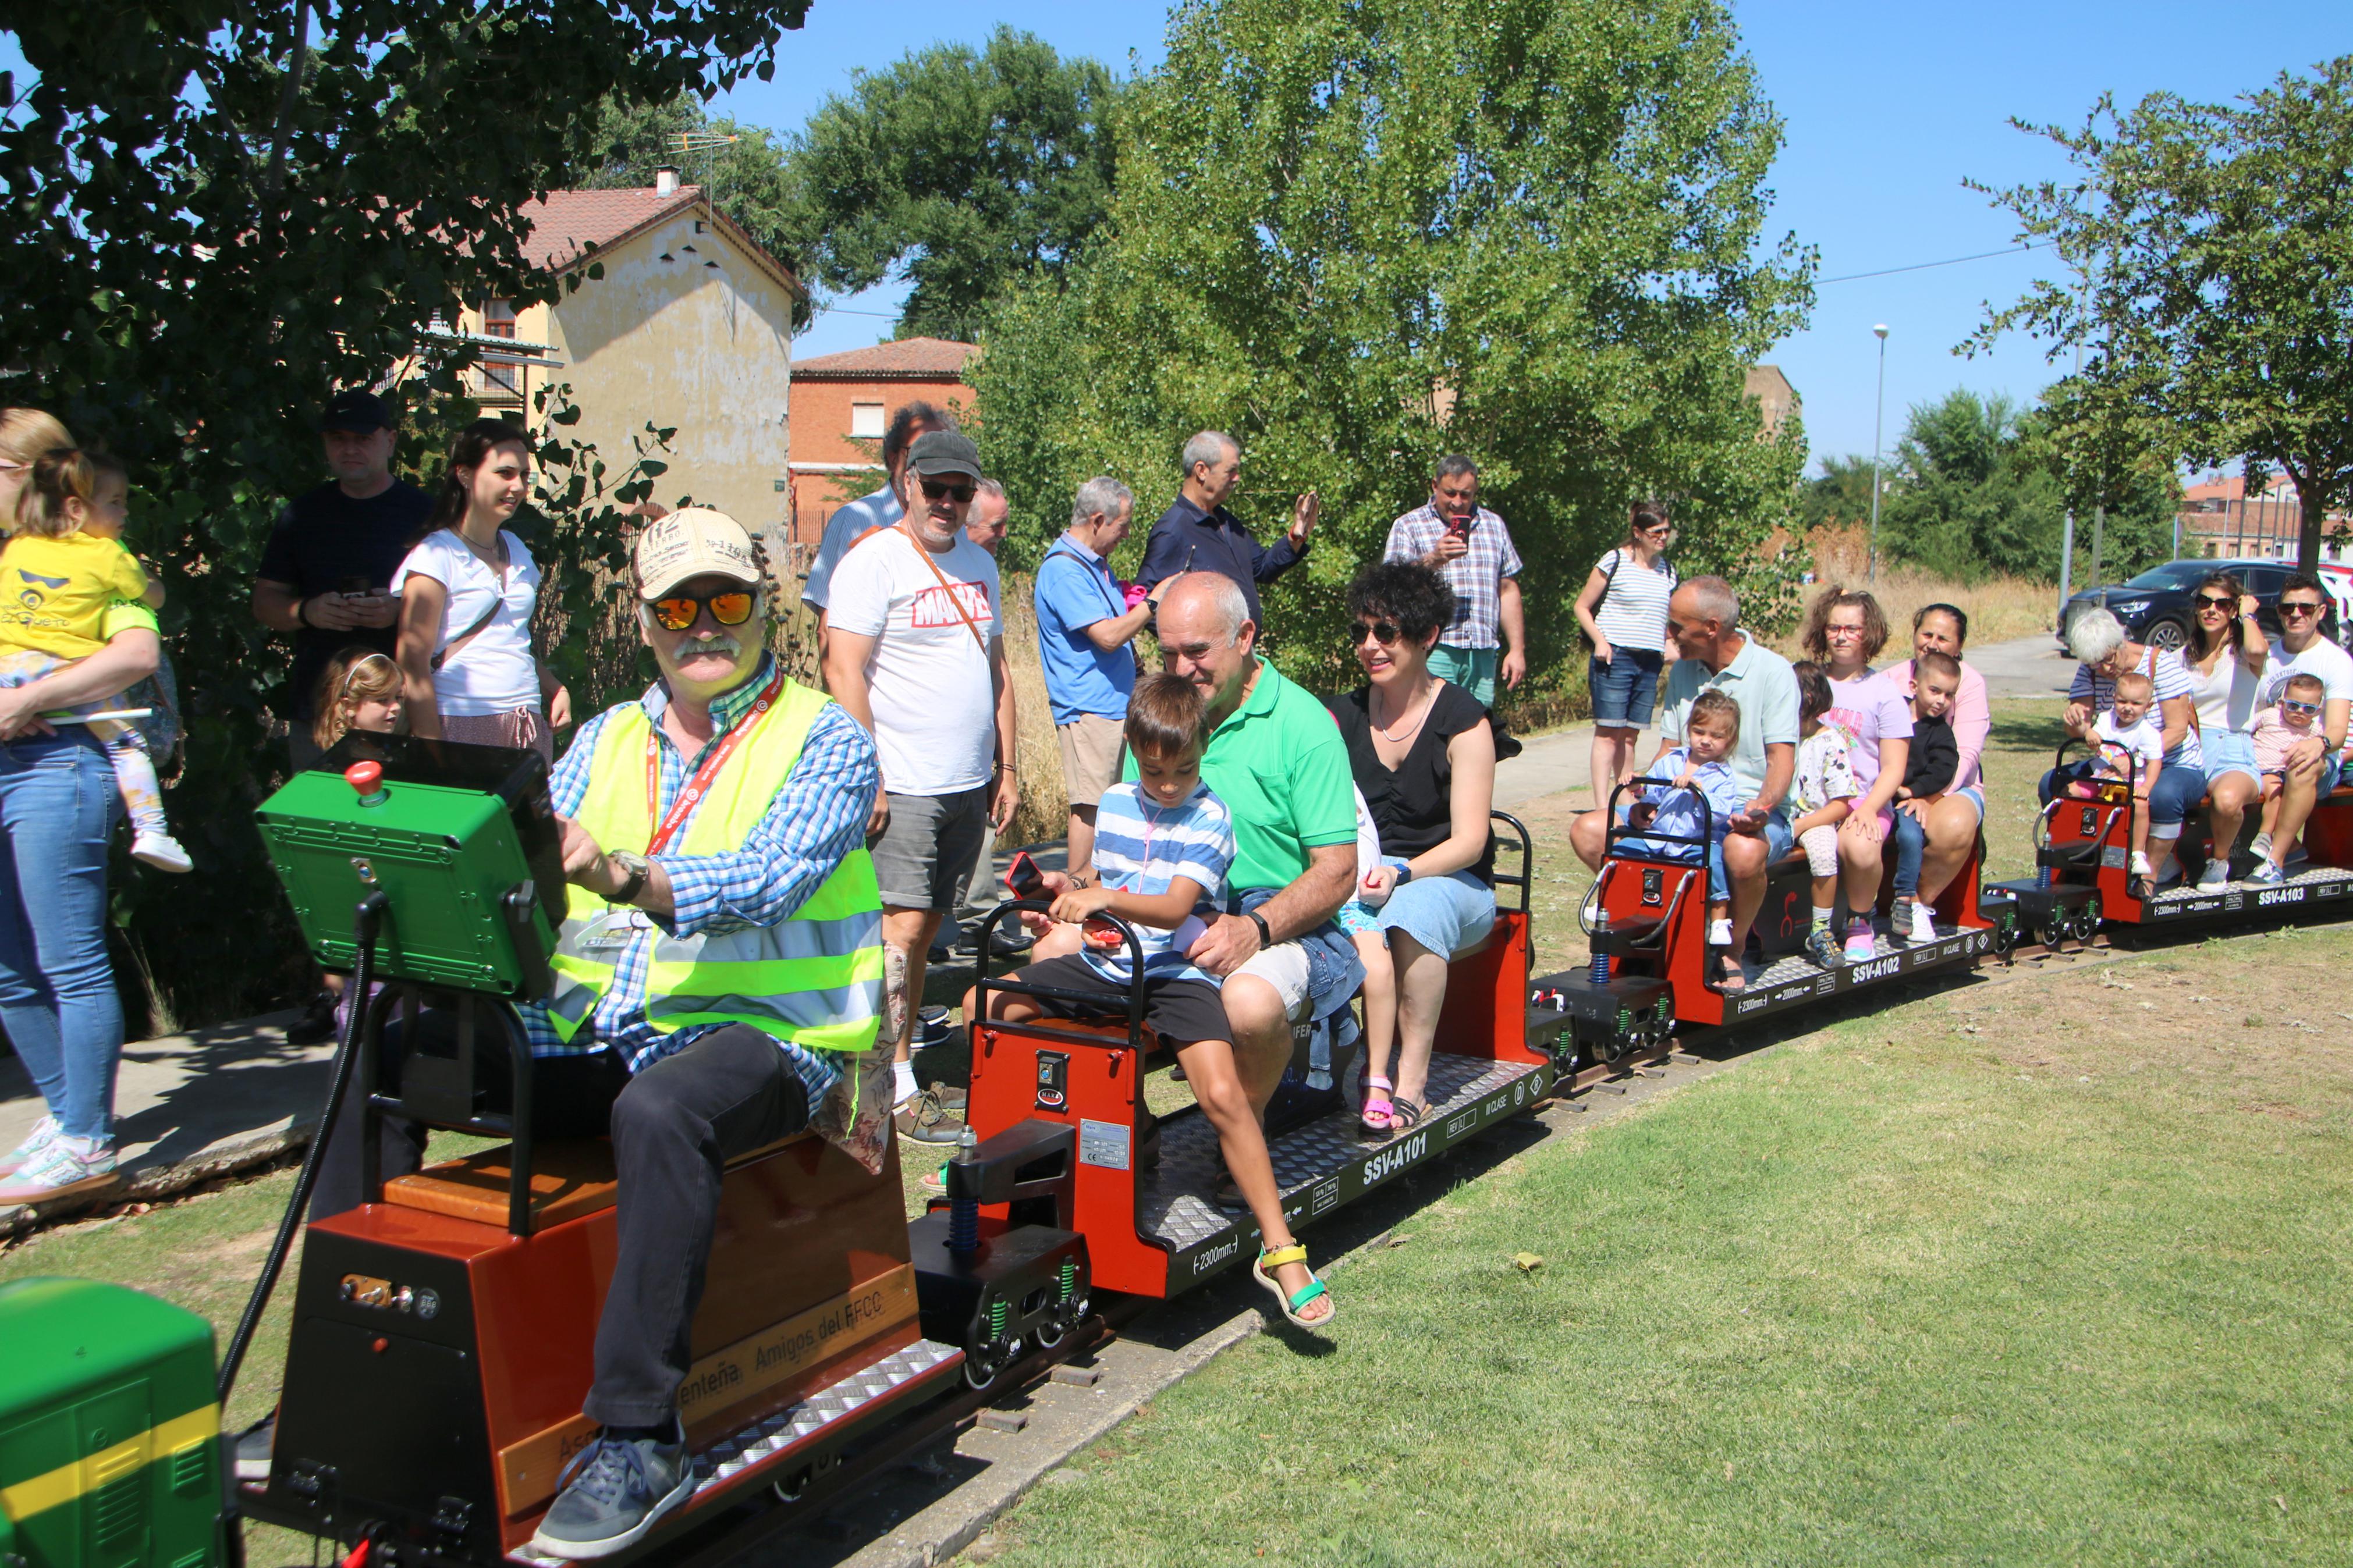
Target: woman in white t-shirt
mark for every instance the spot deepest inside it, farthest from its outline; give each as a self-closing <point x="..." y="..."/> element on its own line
<point x="467" y="592"/>
<point x="2227" y="658"/>
<point x="1623" y="610"/>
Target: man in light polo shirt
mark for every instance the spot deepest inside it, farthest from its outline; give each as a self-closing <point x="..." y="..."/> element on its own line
<point x="1277" y="762"/>
<point x="1703" y="617"/>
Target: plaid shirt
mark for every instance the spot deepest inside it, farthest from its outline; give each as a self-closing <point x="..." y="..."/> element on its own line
<point x="1476" y="575"/>
<point x="817" y="817"/>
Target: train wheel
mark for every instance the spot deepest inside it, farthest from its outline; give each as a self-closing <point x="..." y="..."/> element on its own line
<point x="1053" y="1331"/>
<point x="980" y="1370"/>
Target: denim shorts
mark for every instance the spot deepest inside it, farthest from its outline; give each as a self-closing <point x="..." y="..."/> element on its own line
<point x="1445" y="914"/>
<point x="1624" y="689"/>
<point x="2228" y="754"/>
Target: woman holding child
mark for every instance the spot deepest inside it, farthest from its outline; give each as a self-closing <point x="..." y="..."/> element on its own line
<point x="1424" y="760"/>
<point x="1844" y="633"/>
<point x="1946" y="825"/>
<point x="2097" y="641"/>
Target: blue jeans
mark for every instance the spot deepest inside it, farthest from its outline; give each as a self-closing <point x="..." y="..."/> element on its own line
<point x="1911" y="841"/>
<point x="57" y="986"/>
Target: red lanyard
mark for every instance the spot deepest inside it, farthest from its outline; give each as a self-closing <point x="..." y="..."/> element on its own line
<point x="684" y="806"/>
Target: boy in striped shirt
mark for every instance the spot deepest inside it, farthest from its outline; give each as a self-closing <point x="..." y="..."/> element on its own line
<point x="1163" y="844"/>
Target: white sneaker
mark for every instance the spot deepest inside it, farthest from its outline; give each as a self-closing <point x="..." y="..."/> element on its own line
<point x="2140" y="867"/>
<point x="2262" y="847"/>
<point x="66" y="1167"/>
<point x="1924" y="923"/>
<point x="2216" y="874"/>
<point x="162" y="851"/>
<point x="25" y="1154"/>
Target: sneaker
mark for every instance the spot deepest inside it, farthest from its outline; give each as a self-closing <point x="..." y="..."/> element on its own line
<point x="1822" y="948"/>
<point x="25" y="1154"/>
<point x="2264" y="875"/>
<point x="67" y="1167"/>
<point x="1860" y="948"/>
<point x="1900" y="917"/>
<point x="254" y="1445"/>
<point x="613" y="1492"/>
<point x="2297" y="855"/>
<point x="1923" y="922"/>
<point x="316" y="1027"/>
<point x="922" y="1119"/>
<point x="2140" y="867"/>
<point x="2216" y="874"/>
<point x="948" y="1096"/>
<point x="162" y="851"/>
<point x="2262" y="847"/>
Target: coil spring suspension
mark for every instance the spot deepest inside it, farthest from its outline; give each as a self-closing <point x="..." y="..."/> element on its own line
<point x="964" y="1224"/>
<point x="1070" y="1277"/>
<point x="996" y="1319"/>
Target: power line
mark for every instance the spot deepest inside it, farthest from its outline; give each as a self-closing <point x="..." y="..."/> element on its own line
<point x="1948" y="261"/>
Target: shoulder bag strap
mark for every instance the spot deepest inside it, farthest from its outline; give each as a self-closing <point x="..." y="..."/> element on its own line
<point x="455" y="644"/>
<point x="966" y="615"/>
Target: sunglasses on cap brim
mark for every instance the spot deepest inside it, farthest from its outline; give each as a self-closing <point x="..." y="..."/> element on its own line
<point x="729" y="607"/>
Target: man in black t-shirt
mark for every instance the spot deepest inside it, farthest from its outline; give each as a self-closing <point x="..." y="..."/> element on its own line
<point x="328" y="566"/>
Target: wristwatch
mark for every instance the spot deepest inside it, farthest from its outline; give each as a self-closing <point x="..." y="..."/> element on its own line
<point x="636" y="869"/>
<point x="1265" y="935"/>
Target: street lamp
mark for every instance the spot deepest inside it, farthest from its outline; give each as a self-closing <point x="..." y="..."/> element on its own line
<point x="1878" y="421"/>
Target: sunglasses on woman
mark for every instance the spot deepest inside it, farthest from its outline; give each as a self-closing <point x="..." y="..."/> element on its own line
<point x="934" y="489"/>
<point x="1382" y="632"/>
<point x="676" y="612"/>
<point x="2215" y="602"/>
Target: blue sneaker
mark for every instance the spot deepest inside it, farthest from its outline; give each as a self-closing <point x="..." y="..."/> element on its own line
<point x="613" y="1492"/>
<point x="2266" y="875"/>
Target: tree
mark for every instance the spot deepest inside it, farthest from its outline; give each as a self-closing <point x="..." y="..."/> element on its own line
<point x="2212" y="252"/>
<point x="1981" y="488"/>
<point x="745" y="169"/>
<point x="962" y="170"/>
<point x="1841" y="493"/>
<point x="1360" y="235"/>
<point x="216" y="216"/>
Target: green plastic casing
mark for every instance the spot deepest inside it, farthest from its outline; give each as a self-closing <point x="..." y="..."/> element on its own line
<point x="444" y="857"/>
<point x="110" y="1439"/>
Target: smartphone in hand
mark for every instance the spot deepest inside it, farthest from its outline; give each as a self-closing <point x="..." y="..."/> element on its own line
<point x="1024" y="877"/>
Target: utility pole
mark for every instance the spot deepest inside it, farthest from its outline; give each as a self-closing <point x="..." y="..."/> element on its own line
<point x="1878" y="425"/>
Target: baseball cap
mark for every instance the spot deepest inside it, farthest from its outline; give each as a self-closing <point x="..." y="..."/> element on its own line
<point x="694" y="542"/>
<point x="944" y="452"/>
<point x="356" y="412"/>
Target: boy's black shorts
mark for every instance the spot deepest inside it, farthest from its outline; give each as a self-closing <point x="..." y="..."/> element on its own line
<point x="1183" y="1011"/>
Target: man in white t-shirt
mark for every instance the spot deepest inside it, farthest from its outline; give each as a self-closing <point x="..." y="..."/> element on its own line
<point x="2302" y="650"/>
<point x="914" y="651"/>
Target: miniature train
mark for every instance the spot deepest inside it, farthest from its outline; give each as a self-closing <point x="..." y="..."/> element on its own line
<point x="441" y="1336"/>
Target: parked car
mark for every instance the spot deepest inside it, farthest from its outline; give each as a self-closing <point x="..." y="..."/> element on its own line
<point x="2156" y="605"/>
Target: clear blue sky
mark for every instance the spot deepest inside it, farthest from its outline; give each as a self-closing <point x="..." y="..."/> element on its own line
<point x="1887" y="109"/>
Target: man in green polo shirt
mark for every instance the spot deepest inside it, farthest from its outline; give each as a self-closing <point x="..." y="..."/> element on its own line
<point x="1703" y="617"/>
<point x="1277" y="762"/>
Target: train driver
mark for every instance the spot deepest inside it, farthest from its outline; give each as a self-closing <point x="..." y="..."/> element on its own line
<point x="716" y="825"/>
<point x="1703" y="617"/>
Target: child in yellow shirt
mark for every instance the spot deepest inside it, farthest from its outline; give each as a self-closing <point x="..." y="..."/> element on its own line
<point x="60" y="569"/>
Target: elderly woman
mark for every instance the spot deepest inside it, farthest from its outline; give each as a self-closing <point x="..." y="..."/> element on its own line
<point x="1951" y="819"/>
<point x="1844" y="633"/>
<point x="2097" y="641"/>
<point x="1424" y="760"/>
<point x="2226" y="659"/>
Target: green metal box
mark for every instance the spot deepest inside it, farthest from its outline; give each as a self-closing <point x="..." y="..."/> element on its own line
<point x="460" y="839"/>
<point x="110" y="1439"/>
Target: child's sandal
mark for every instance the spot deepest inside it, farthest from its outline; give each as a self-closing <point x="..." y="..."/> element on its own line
<point x="1376" y="1117"/>
<point x="1263" y="1270"/>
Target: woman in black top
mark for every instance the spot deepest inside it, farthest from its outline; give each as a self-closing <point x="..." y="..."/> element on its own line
<point x="1424" y="760"/>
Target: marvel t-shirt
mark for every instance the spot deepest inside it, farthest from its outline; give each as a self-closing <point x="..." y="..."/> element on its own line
<point x="326" y="543"/>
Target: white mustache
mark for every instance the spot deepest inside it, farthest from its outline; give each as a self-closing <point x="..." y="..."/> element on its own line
<point x="721" y="644"/>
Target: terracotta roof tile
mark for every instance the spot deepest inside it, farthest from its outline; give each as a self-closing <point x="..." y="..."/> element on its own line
<point x="568" y="222"/>
<point x="908" y="358"/>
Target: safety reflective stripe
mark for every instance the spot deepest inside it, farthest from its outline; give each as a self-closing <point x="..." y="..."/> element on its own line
<point x="815" y="978"/>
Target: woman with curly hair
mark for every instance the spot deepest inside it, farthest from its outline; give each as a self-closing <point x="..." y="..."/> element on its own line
<point x="1423" y="757"/>
<point x="1844" y="633"/>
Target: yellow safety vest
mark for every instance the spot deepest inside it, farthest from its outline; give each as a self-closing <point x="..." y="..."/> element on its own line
<point x="814" y="978"/>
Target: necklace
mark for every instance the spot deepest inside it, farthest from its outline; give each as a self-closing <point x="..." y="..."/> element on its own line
<point x="1425" y="701"/>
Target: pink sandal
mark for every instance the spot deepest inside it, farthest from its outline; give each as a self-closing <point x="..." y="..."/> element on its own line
<point x="1379" y="1111"/>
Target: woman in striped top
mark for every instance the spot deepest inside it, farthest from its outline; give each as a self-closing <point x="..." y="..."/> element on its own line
<point x="1623" y="610"/>
<point x="2097" y="639"/>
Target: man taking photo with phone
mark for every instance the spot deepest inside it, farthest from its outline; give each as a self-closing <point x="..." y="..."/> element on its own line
<point x="1469" y="546"/>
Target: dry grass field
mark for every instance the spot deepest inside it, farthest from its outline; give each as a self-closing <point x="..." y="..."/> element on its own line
<point x="1999" y="608"/>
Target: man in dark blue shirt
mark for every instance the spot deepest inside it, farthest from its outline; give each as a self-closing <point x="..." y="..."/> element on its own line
<point x="1198" y="535"/>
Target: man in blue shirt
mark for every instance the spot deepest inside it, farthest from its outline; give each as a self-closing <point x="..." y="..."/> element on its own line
<point x="879" y="509"/>
<point x="1084" y="626"/>
<point x="1196" y="533"/>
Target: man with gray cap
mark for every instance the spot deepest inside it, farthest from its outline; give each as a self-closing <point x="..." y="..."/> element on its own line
<point x="914" y="650"/>
<point x="714" y="837"/>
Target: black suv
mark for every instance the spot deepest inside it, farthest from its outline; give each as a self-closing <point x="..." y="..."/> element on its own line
<point x="2156" y="605"/>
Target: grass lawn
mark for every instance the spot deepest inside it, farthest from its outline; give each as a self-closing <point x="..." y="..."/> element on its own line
<point x="2047" y="1271"/>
